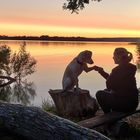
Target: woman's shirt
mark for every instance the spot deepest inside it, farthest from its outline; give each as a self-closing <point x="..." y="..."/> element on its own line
<point x="122" y="80"/>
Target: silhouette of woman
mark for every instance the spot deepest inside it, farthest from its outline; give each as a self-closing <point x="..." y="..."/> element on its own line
<point x="121" y="93"/>
<point x="10" y="80"/>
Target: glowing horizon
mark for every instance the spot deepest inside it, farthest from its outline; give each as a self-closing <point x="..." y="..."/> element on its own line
<point x="36" y="30"/>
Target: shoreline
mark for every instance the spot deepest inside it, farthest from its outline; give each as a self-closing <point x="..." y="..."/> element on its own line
<point x="76" y="39"/>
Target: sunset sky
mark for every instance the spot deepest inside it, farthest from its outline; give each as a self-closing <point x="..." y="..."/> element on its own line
<point x="108" y="18"/>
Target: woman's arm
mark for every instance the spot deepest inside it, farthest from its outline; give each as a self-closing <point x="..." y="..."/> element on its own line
<point x="10" y="80"/>
<point x="101" y="71"/>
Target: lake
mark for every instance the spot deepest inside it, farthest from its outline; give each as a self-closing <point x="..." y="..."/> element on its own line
<point x="53" y="57"/>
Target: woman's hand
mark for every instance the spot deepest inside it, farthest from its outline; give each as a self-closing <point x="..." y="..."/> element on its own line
<point x="99" y="69"/>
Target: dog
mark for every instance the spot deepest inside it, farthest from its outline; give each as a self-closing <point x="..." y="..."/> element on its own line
<point x="75" y="68"/>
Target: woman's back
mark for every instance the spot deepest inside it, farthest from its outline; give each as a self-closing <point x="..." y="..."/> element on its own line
<point x="122" y="80"/>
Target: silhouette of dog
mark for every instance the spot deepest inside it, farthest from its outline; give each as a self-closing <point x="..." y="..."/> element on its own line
<point x="75" y="68"/>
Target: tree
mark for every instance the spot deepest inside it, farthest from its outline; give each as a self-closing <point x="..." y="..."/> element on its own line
<point x="5" y="55"/>
<point x="19" y="64"/>
<point x="138" y="56"/>
<point x="76" y="5"/>
<point x="32" y="123"/>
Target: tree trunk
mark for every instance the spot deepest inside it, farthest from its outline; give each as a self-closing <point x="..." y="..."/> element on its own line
<point x="35" y="124"/>
<point x="74" y="103"/>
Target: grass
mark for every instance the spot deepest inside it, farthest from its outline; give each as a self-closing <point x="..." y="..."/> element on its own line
<point x="49" y="106"/>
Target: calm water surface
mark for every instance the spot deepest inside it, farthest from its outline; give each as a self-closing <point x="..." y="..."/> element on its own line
<point x="53" y="57"/>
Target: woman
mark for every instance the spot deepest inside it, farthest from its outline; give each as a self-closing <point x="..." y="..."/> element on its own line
<point x="121" y="93"/>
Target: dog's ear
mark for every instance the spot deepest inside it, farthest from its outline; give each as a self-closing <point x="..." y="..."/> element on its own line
<point x="84" y="55"/>
<point x="88" y="53"/>
<point x="88" y="57"/>
<point x="81" y="56"/>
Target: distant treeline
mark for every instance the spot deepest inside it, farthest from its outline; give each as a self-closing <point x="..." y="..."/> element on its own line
<point x="57" y="38"/>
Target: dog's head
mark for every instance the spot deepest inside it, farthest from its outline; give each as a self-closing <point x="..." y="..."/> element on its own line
<point x="85" y="57"/>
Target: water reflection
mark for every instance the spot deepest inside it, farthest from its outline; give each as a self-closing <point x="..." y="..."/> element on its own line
<point x="18" y="65"/>
<point x="138" y="55"/>
<point x="53" y="57"/>
<point x="23" y="93"/>
<point x="5" y="93"/>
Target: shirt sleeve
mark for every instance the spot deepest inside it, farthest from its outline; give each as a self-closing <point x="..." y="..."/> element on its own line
<point x="104" y="74"/>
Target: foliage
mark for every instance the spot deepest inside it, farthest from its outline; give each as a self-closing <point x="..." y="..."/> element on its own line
<point x="23" y="92"/>
<point x="49" y="106"/>
<point x="138" y="55"/>
<point x="19" y="64"/>
<point x="6" y="93"/>
<point x="5" y="54"/>
<point x="75" y="5"/>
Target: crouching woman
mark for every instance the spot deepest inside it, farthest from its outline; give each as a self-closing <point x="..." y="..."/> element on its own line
<point x="121" y="94"/>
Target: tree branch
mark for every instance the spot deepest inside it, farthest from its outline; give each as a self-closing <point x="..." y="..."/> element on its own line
<point x="76" y="5"/>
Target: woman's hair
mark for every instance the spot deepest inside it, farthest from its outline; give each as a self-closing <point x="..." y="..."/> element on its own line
<point x="123" y="54"/>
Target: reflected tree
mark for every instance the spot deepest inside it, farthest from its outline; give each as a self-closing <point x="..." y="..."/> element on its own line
<point x="138" y="61"/>
<point x="23" y="92"/>
<point x="6" y="93"/>
<point x="138" y="56"/>
<point x="18" y="65"/>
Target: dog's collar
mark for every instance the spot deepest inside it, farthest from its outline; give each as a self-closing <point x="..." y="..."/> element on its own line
<point x="79" y="62"/>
